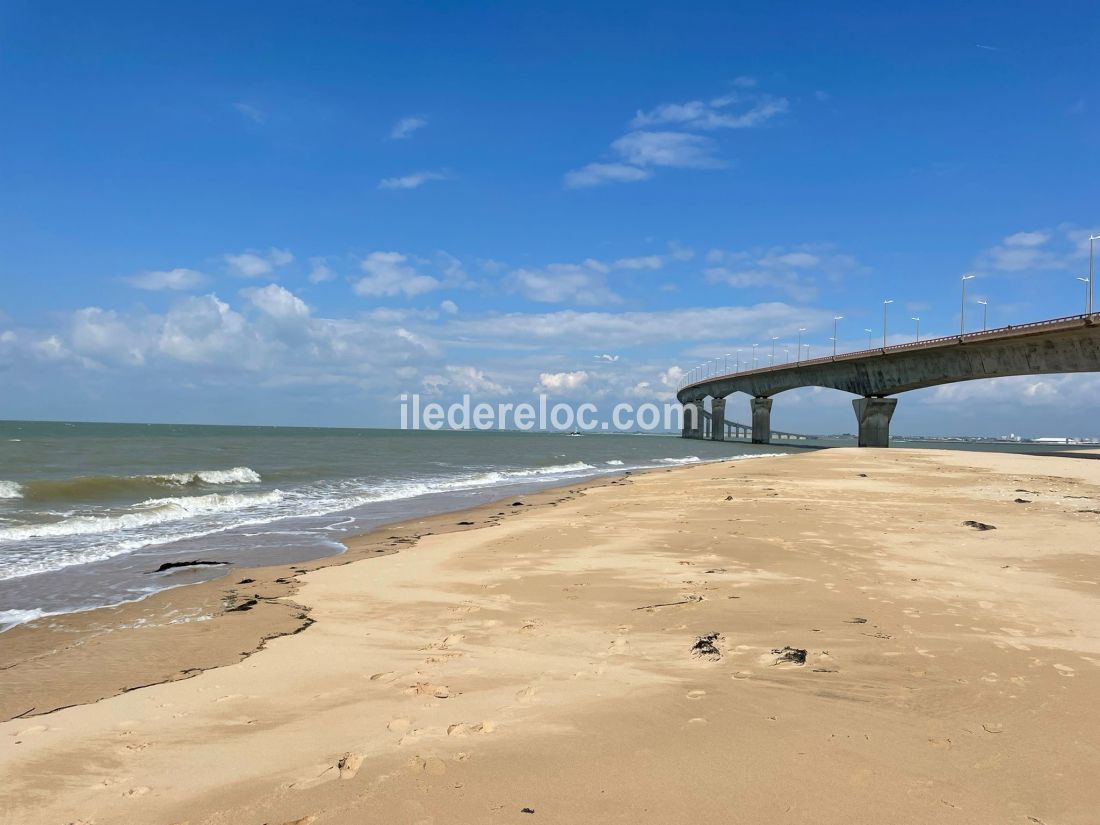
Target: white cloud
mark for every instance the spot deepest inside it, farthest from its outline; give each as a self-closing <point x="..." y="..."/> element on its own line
<point x="642" y="262"/>
<point x="410" y="181"/>
<point x="406" y="126"/>
<point x="606" y="357"/>
<point x="714" y="114"/>
<point x="596" y="173"/>
<point x="256" y="264"/>
<point x="1036" y="249"/>
<point x="168" y="279"/>
<point x="557" y="283"/>
<point x="677" y="149"/>
<point x="464" y="379"/>
<point x="253" y="113"/>
<point x="449" y="306"/>
<point x="277" y="302"/>
<point x="561" y="382"/>
<point x="795" y="271"/>
<point x="320" y="271"/>
<point x="389" y="273"/>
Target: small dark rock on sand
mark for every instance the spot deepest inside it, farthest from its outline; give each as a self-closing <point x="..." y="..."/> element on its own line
<point x="795" y="655"/>
<point x="465" y="524"/>
<point x="526" y="810"/>
<point x="978" y="525"/>
<point x="517" y="503"/>
<point x="1021" y="501"/>
<point x="243" y="606"/>
<point x="856" y="620"/>
<point x="246" y="581"/>
<point x="171" y="565"/>
<point x="704" y="648"/>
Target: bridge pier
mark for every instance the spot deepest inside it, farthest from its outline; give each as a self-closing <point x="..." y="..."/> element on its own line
<point x="718" y="419"/>
<point x="693" y="420"/>
<point x="761" y="420"/>
<point x="873" y="415"/>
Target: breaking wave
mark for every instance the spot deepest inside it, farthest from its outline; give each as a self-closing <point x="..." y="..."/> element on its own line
<point x="10" y="489"/>
<point x="91" y="488"/>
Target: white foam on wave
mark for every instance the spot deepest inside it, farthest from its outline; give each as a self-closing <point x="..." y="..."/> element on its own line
<point x="11" y="489"/>
<point x="614" y="462"/>
<point x="11" y="618"/>
<point x="149" y="512"/>
<point x="688" y="459"/>
<point x="236" y="475"/>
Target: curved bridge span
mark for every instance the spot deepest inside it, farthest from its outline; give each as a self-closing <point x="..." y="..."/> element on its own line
<point x="1060" y="345"/>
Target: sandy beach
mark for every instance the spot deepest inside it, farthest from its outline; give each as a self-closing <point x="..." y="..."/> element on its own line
<point x="844" y="636"/>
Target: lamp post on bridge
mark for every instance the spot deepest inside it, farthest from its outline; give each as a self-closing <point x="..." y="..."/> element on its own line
<point x="985" y="314"/>
<point x="962" y="304"/>
<point x="1088" y="289"/>
<point x="885" y="304"/>
<point x="868" y="330"/>
<point x="786" y="355"/>
<point x="739" y="360"/>
<point x="773" y="351"/>
<point x="835" y="319"/>
<point x="915" y="318"/>
<point x="798" y="352"/>
<point x="1091" y="239"/>
<point x="807" y="346"/>
<point x="754" y="346"/>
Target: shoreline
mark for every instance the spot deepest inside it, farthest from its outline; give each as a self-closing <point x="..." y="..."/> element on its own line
<point x="259" y="603"/>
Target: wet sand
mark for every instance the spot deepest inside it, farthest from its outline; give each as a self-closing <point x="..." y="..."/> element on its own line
<point x="629" y="652"/>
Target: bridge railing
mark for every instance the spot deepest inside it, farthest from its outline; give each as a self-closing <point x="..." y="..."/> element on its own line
<point x="929" y="343"/>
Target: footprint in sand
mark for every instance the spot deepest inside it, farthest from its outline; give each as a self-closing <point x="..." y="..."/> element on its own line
<point x="349" y="764"/>
<point x="1065" y="670"/>
<point x="141" y="790"/>
<point x="464" y="728"/>
<point x="305" y="820"/>
<point x="695" y="694"/>
<point x="526" y="693"/>
<point x="619" y="647"/>
<point x="939" y="742"/>
<point x="388" y="676"/>
<point x="427" y="689"/>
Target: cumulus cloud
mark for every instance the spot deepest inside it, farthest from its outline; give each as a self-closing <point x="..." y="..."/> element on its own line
<point x="390" y="273"/>
<point x="464" y="379"/>
<point x="561" y="382"/>
<point x="412" y="181"/>
<point x="406" y="126"/>
<point x="256" y="264"/>
<point x="179" y="279"/>
<point x="277" y="302"/>
<point x="449" y="306"/>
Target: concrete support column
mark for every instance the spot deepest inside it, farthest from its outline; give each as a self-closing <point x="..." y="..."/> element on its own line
<point x="761" y="420"/>
<point x="692" y="419"/>
<point x="718" y="419"/>
<point x="873" y="415"/>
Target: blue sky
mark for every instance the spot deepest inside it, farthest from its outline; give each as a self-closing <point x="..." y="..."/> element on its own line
<point x="267" y="213"/>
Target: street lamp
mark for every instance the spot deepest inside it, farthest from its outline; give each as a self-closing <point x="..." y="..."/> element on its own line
<point x="754" y="346"/>
<point x="807" y="346"/>
<point x="868" y="331"/>
<point x="1088" y="297"/>
<point x="915" y="318"/>
<point x="773" y="351"/>
<point x="962" y="305"/>
<point x="739" y="360"/>
<point x="786" y="355"/>
<point x="885" y="304"/>
<point x="1091" y="239"/>
<point x="835" y="319"/>
<point x="798" y="354"/>
<point x="985" y="313"/>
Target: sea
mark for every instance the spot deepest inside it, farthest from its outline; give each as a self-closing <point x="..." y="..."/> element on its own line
<point x="88" y="512"/>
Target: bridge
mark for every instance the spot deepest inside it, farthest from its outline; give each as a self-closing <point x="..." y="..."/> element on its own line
<point x="736" y="430"/>
<point x="1060" y="345"/>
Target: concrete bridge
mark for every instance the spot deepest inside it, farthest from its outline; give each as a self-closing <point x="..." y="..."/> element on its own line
<point x="1060" y="345"/>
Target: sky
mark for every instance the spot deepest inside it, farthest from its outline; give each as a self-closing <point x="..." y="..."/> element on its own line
<point x="281" y="213"/>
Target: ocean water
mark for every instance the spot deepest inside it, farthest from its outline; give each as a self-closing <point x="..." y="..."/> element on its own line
<point x="88" y="511"/>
